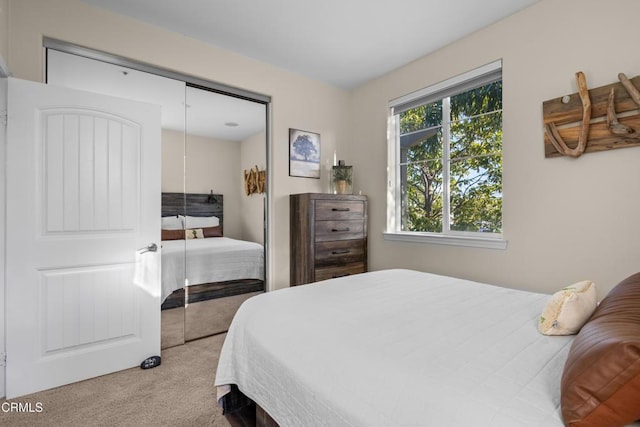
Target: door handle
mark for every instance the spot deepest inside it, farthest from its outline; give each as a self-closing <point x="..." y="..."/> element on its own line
<point x="151" y="247"/>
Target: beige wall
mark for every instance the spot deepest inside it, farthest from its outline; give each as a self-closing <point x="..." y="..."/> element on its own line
<point x="172" y="161"/>
<point x="564" y="219"/>
<point x="211" y="164"/>
<point x="214" y="164"/>
<point x="252" y="153"/>
<point x="298" y="102"/>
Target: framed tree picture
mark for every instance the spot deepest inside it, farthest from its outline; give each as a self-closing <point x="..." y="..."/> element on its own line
<point x="304" y="154"/>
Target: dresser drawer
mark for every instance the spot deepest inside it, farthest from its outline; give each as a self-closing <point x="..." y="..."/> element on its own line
<point x="327" y="236"/>
<point x="345" y="270"/>
<point x="339" y="230"/>
<point x="339" y="210"/>
<point x="339" y="252"/>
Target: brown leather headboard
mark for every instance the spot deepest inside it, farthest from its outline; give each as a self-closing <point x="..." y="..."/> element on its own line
<point x="601" y="379"/>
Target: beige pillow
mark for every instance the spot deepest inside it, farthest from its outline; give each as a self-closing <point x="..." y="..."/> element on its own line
<point x="569" y="309"/>
<point x="194" y="233"/>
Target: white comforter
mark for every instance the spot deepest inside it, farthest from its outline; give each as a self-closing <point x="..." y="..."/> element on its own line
<point x="214" y="259"/>
<point x="396" y="347"/>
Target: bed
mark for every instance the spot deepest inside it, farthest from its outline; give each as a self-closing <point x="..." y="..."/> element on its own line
<point x="400" y="347"/>
<point x="209" y="260"/>
<point x="202" y="269"/>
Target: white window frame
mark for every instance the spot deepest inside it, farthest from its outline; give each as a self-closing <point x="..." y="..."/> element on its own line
<point x="394" y="194"/>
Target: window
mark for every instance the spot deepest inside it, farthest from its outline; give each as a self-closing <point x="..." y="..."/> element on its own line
<point x="445" y="161"/>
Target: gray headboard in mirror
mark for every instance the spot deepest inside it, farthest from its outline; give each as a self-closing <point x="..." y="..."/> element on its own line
<point x="193" y="204"/>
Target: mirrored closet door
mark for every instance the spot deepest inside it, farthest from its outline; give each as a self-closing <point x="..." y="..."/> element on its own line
<point x="213" y="228"/>
<point x="224" y="226"/>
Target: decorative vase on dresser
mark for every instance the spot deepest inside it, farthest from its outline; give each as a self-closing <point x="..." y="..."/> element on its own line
<point x="328" y="236"/>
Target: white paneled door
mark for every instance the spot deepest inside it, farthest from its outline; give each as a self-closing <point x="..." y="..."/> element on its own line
<point x="83" y="195"/>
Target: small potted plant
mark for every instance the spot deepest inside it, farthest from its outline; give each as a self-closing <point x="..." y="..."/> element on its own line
<point x="341" y="178"/>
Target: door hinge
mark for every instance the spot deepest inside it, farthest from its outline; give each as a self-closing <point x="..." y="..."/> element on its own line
<point x="3" y="118"/>
<point x="3" y="358"/>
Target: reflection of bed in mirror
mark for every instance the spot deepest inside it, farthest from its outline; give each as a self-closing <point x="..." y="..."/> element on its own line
<point x="206" y="276"/>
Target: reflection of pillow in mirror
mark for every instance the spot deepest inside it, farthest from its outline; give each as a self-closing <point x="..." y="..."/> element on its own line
<point x="212" y="231"/>
<point x="194" y="233"/>
<point x="200" y="221"/>
<point x="172" y="223"/>
<point x="172" y="234"/>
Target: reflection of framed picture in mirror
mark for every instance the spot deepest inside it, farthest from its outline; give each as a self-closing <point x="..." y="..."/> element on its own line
<point x="304" y="154"/>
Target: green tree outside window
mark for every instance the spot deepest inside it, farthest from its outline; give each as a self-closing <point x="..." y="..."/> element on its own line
<point x="453" y="147"/>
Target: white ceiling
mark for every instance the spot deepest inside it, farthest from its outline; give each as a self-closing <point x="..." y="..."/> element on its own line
<point x="342" y="42"/>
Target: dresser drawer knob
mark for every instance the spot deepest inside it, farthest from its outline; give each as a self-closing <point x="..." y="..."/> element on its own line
<point x="340" y="209"/>
<point x="340" y="252"/>
<point x="336" y="230"/>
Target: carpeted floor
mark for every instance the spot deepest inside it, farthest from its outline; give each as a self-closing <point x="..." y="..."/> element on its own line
<point x="179" y="392"/>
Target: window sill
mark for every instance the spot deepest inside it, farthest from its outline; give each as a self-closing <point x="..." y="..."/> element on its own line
<point x="468" y="241"/>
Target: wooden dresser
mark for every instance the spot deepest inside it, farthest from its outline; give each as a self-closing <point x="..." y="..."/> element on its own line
<point x="328" y="236"/>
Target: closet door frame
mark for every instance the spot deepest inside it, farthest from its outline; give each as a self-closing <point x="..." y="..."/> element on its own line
<point x="54" y="44"/>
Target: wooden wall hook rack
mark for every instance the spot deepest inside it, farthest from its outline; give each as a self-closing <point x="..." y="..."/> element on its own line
<point x="599" y="119"/>
<point x="255" y="181"/>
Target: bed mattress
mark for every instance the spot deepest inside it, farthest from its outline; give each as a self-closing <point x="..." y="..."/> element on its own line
<point x="215" y="259"/>
<point x="396" y="347"/>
